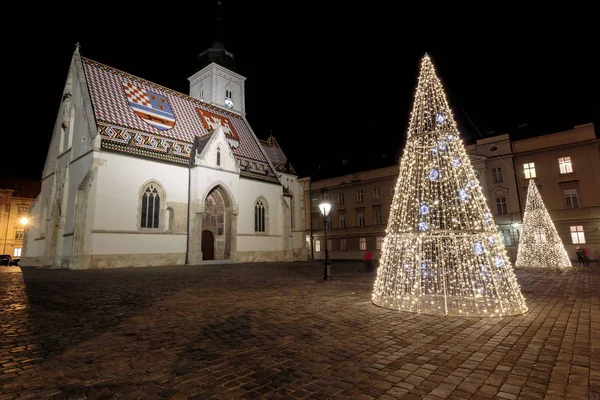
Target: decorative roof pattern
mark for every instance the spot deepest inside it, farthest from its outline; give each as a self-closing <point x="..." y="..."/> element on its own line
<point x="277" y="156"/>
<point x="144" y="109"/>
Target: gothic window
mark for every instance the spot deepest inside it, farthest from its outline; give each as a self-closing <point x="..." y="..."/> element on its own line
<point x="151" y="197"/>
<point x="218" y="156"/>
<point x="259" y="216"/>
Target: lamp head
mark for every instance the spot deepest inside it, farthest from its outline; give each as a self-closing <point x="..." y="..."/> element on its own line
<point x="325" y="207"/>
<point x="24" y="221"/>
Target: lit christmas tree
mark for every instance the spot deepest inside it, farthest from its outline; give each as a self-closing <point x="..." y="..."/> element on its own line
<point x="442" y="252"/>
<point x="539" y="246"/>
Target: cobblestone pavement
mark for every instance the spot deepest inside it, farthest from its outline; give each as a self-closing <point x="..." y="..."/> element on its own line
<point x="278" y="331"/>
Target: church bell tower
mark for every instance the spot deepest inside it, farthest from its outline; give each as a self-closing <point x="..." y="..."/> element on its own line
<point x="216" y="81"/>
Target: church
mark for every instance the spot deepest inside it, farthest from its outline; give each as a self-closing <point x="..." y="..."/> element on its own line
<point x="140" y="175"/>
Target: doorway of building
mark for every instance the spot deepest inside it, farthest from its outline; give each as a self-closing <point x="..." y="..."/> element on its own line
<point x="208" y="245"/>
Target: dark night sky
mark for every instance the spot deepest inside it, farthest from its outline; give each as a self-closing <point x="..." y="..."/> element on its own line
<point x="329" y="83"/>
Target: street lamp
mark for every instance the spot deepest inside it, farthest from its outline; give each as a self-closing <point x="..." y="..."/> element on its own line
<point x="325" y="207"/>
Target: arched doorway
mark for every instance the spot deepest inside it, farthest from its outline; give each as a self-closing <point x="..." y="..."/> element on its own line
<point x="217" y="220"/>
<point x="208" y="245"/>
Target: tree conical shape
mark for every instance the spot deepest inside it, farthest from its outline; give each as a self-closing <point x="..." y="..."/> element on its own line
<point x="539" y="245"/>
<point x="442" y="252"/>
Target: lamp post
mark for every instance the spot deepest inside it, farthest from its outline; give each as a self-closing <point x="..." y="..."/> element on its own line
<point x="325" y="207"/>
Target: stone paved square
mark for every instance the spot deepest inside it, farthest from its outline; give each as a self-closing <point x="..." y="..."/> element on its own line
<point x="278" y="331"/>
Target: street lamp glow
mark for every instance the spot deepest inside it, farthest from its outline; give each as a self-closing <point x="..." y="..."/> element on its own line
<point x="24" y="221"/>
<point x="325" y="207"/>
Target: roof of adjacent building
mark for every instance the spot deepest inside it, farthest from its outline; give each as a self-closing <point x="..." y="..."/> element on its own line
<point x="277" y="156"/>
<point x="139" y="117"/>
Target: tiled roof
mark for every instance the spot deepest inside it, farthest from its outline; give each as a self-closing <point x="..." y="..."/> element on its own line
<point x="139" y="117"/>
<point x="276" y="155"/>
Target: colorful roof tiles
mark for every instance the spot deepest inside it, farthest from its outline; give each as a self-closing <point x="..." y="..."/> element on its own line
<point x="140" y="117"/>
<point x="276" y="155"/>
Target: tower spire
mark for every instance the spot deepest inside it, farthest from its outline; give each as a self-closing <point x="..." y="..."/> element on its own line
<point x="217" y="52"/>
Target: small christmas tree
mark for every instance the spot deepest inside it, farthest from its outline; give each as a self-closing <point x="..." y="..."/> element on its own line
<point x="442" y="252"/>
<point x="539" y="246"/>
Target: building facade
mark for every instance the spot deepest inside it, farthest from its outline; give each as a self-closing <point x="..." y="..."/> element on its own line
<point x="565" y="166"/>
<point x="15" y="218"/>
<point x="140" y="175"/>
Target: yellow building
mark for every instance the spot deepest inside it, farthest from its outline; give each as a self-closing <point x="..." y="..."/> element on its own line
<point x="14" y="214"/>
<point x="565" y="165"/>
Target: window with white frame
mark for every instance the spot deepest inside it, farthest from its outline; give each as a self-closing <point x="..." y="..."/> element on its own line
<point x="501" y="205"/>
<point x="342" y="219"/>
<point x="361" y="219"/>
<point x="378" y="217"/>
<point x="497" y="175"/>
<point x="341" y="199"/>
<point x="150" y="206"/>
<point x="376" y="193"/>
<point x="577" y="234"/>
<point x="529" y="170"/>
<point x="565" y="166"/>
<point x="19" y="233"/>
<point x="571" y="199"/>
<point x="259" y="216"/>
<point x="362" y="243"/>
<point x="359" y="195"/>
<point x="379" y="242"/>
<point x="228" y="94"/>
<point x="317" y="245"/>
<point x="343" y="244"/>
<point x="17" y="252"/>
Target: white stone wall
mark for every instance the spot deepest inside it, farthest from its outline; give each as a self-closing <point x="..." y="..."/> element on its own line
<point x="116" y="226"/>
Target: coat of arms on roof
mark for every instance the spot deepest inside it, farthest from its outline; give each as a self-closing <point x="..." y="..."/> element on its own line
<point x="153" y="108"/>
<point x="211" y="120"/>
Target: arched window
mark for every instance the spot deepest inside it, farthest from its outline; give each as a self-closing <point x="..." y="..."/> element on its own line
<point x="150" y="207"/>
<point x="218" y="156"/>
<point x="259" y="216"/>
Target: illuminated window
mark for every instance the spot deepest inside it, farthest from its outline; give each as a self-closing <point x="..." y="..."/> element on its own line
<point x="317" y="245"/>
<point x="17" y="252"/>
<point x="359" y="195"/>
<point x="564" y="163"/>
<point x="361" y="219"/>
<point x="22" y="211"/>
<point x="497" y="175"/>
<point x="501" y="205"/>
<point x="375" y="193"/>
<point x="577" y="235"/>
<point x="571" y="200"/>
<point x="378" y="217"/>
<point x="315" y="201"/>
<point x="379" y="242"/>
<point x="540" y="238"/>
<point x="506" y="237"/>
<point x="20" y="233"/>
<point x="363" y="243"/>
<point x="343" y="244"/>
<point x="529" y="170"/>
<point x="342" y="221"/>
<point x="341" y="199"/>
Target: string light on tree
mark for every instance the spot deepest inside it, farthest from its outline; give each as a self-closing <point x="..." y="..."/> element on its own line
<point x="539" y="245"/>
<point x="442" y="253"/>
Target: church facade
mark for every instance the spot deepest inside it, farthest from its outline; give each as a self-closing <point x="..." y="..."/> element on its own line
<point x="141" y="175"/>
